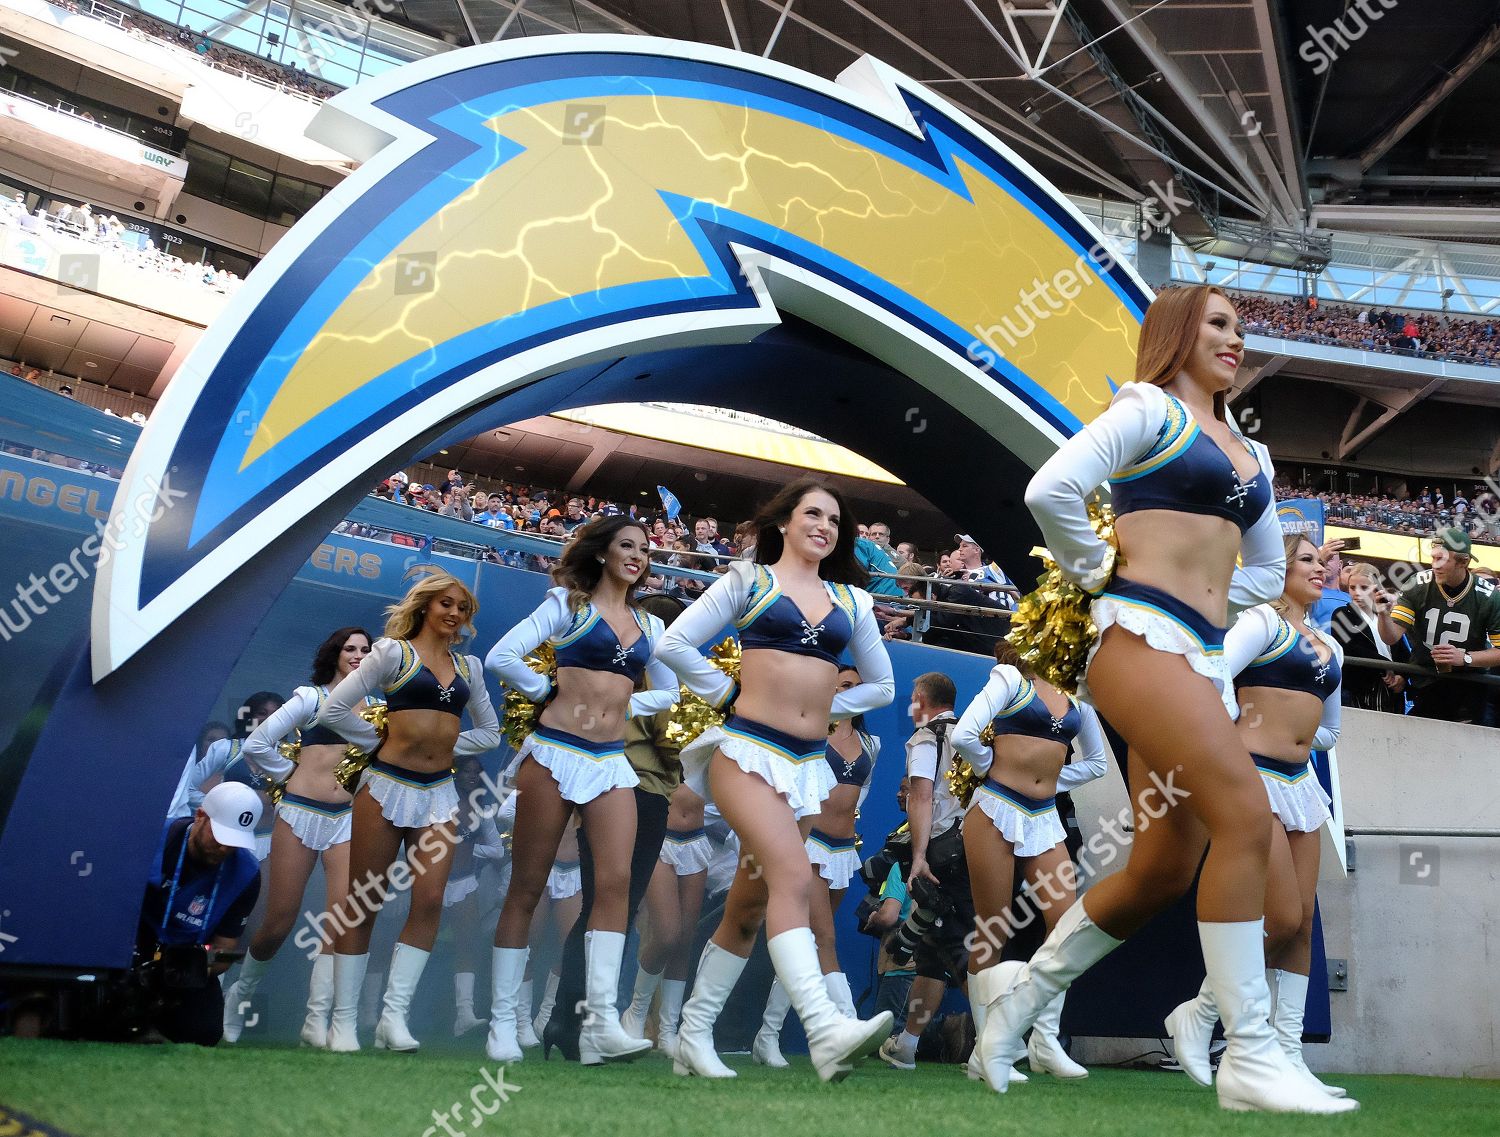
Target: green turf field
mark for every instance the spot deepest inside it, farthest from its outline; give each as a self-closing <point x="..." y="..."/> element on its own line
<point x="97" y="1090"/>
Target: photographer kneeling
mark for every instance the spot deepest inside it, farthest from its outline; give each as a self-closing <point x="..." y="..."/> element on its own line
<point x="198" y="901"/>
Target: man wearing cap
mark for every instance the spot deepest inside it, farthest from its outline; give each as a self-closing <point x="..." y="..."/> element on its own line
<point x="200" y="894"/>
<point x="1453" y="617"/>
<point x="970" y="557"/>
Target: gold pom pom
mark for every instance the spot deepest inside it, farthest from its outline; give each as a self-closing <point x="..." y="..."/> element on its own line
<point x="692" y="715"/>
<point x="355" y="760"/>
<point x="292" y="751"/>
<point x="1051" y="628"/>
<point x="963" y="781"/>
<point x="518" y="719"/>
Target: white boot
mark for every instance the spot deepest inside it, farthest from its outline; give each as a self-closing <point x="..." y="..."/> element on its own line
<point x="319" y="1002"/>
<point x="766" y="1050"/>
<point x="507" y="965"/>
<point x="633" y="1021"/>
<point x="1254" y="1074"/>
<point x="669" y="1015"/>
<point x="718" y="972"/>
<point x="549" y="1000"/>
<point x="833" y="1041"/>
<point x="237" y="997"/>
<point x="1191" y="1028"/>
<point x="464" y="1018"/>
<point x="391" y="1033"/>
<point x="837" y="984"/>
<point x="600" y="1039"/>
<point x="1046" y="1053"/>
<point x="984" y="988"/>
<point x="348" y="982"/>
<point x="1289" y="1003"/>
<point x="1075" y="945"/>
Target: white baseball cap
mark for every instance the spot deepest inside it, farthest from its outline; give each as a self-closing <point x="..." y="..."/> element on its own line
<point x="961" y="538"/>
<point x="233" y="813"/>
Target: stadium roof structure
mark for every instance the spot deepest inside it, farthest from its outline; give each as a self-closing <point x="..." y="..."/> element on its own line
<point x="1281" y="115"/>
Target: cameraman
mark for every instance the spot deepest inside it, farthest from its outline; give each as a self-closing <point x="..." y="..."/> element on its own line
<point x="939" y="877"/>
<point x="198" y="901"/>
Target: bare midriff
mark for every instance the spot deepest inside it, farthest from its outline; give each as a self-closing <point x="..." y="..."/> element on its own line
<point x="1028" y="765"/>
<point x="313" y="778"/>
<point x="420" y="740"/>
<point x="791" y="693"/>
<point x="1189" y="556"/>
<point x="1279" y="723"/>
<point x="589" y="704"/>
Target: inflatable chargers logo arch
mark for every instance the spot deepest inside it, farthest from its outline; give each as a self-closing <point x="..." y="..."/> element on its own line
<point x="526" y="208"/>
<point x="523" y="209"/>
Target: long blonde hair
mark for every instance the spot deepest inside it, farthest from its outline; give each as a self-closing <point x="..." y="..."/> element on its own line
<point x="1169" y="332"/>
<point x="404" y="618"/>
<point x="1290" y="542"/>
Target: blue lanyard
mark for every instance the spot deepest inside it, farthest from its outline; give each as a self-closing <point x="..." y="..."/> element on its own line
<point x="177" y="879"/>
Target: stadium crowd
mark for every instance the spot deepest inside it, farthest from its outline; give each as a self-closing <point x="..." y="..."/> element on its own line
<point x="109" y="234"/>
<point x="1425" y="336"/>
<point x="225" y="58"/>
<point x="1476" y="512"/>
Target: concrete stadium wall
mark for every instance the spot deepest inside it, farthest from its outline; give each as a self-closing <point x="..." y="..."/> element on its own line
<point x="1418" y="918"/>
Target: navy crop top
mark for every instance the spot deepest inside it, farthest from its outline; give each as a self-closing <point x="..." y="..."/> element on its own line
<point x="592" y="645"/>
<point x="1291" y="664"/>
<point x="851" y="773"/>
<point x="417" y="689"/>
<point x="1186" y="471"/>
<point x="773" y="621"/>
<point x="1026" y="714"/>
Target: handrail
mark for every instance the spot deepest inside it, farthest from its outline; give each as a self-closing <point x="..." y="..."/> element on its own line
<point x="1461" y="675"/>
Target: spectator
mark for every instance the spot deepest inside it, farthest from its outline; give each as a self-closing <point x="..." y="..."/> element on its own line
<point x="495" y="516"/>
<point x="1357" y="627"/>
<point x="576" y="517"/>
<point x="454" y="502"/>
<point x="969" y="557"/>
<point x="707" y="540"/>
<point x="1454" y="618"/>
<point x="876" y="559"/>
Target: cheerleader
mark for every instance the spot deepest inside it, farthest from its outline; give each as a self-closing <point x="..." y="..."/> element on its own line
<point x="652" y="754"/>
<point x="1013" y="817"/>
<point x="1288" y="675"/>
<point x="1192" y="496"/>
<point x="851" y="754"/>
<point x="674" y="901"/>
<point x="407" y="793"/>
<point x="795" y="610"/>
<point x="575" y="759"/>
<point x="312" y="823"/>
